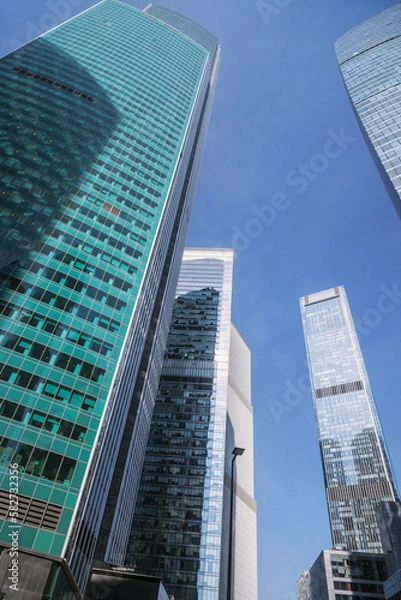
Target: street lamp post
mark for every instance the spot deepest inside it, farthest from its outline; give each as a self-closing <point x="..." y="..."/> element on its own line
<point x="236" y="452"/>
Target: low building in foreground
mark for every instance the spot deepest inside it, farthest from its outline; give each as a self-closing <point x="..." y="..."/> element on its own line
<point x="123" y="584"/>
<point x="388" y="516"/>
<point x="343" y="575"/>
<point x="392" y="587"/>
<point x="389" y="520"/>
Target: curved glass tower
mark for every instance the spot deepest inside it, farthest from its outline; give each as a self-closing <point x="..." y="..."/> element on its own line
<point x="356" y="467"/>
<point x="105" y="118"/>
<point x="370" y="61"/>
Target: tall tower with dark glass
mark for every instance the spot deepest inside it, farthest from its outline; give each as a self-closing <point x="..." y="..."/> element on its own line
<point x="104" y="120"/>
<point x="203" y="409"/>
<point x="356" y="466"/>
<point x="370" y="61"/>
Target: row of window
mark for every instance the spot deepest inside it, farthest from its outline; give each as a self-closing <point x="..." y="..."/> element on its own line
<point x="184" y="398"/>
<point x="343" y="388"/>
<point x="175" y="519"/>
<point x="360" y="569"/>
<point x="160" y="435"/>
<point x="101" y="191"/>
<point x="47" y="387"/>
<point x="180" y="412"/>
<point x="62" y="304"/>
<point x="173" y="486"/>
<point x="59" y="216"/>
<point x="61" y="330"/>
<point x="162" y="117"/>
<point x="75" y="285"/>
<point x="189" y="440"/>
<point x="94" y="232"/>
<point x="150" y="545"/>
<point x="193" y="471"/>
<point x="148" y="146"/>
<point x="51" y="356"/>
<point x="133" y="181"/>
<point x="100" y="236"/>
<point x="358" y="587"/>
<point x="28" y="416"/>
<point x="135" y="160"/>
<point x="156" y="454"/>
<point x="110" y="223"/>
<point x="357" y="597"/>
<point x="72" y="282"/>
<point x="182" y="539"/>
<point x="56" y="84"/>
<point x="76" y="242"/>
<point x="37" y="462"/>
<point x="175" y="490"/>
<point x="174" y="569"/>
<point x="134" y="168"/>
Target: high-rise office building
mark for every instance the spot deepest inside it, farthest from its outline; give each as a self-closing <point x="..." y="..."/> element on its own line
<point x="239" y="433"/>
<point x="104" y="120"/>
<point x="356" y="467"/>
<point x="370" y="61"/>
<point x="203" y="410"/>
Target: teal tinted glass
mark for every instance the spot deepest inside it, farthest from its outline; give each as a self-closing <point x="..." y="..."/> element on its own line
<point x="95" y="113"/>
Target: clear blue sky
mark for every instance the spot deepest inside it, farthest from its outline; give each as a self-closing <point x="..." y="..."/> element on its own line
<point x="280" y="100"/>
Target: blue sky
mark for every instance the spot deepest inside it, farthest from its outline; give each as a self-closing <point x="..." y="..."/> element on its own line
<point x="280" y="105"/>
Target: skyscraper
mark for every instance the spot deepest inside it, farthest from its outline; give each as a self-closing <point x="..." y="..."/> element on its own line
<point x="356" y="467"/>
<point x="370" y="61"/>
<point x="105" y="118"/>
<point x="203" y="409"/>
<point x="239" y="433"/>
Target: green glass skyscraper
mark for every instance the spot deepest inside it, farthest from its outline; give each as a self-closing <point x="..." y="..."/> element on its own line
<point x="104" y="121"/>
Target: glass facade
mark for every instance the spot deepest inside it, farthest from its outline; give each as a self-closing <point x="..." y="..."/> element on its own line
<point x="338" y="575"/>
<point x="389" y="521"/>
<point x="104" y="119"/>
<point x="356" y="467"/>
<point x="392" y="587"/>
<point x="177" y="528"/>
<point x="370" y="61"/>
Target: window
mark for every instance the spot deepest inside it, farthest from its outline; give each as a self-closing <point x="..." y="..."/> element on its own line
<point x="36" y="462"/>
<point x="37" y="419"/>
<point x="7" y="448"/>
